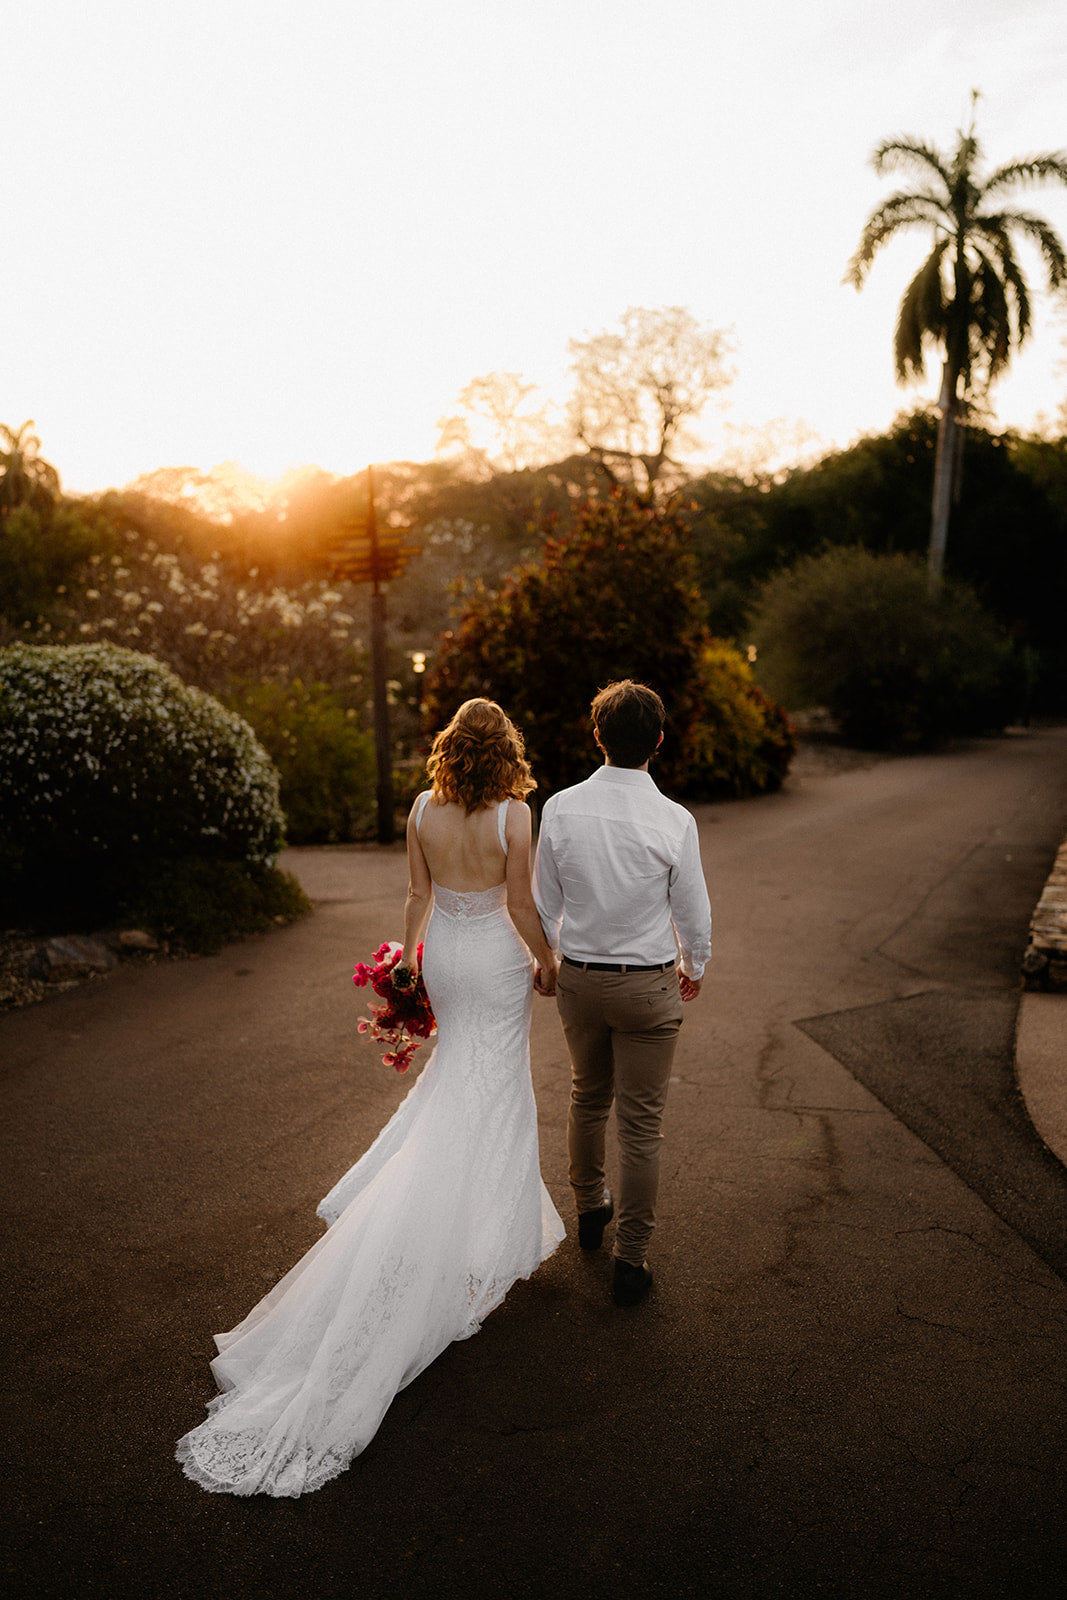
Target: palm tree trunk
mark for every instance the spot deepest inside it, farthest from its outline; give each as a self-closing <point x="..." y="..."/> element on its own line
<point x="944" y="472"/>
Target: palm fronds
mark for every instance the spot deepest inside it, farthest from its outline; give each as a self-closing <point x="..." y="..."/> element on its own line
<point x="970" y="297"/>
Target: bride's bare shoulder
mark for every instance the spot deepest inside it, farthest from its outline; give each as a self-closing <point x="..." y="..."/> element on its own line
<point x="518" y="817"/>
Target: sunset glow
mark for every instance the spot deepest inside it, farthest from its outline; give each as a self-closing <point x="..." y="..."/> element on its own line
<point x="243" y="231"/>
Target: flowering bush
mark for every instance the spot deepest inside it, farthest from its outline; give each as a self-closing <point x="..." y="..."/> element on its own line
<point x="406" y="1018"/>
<point x="208" y="623"/>
<point x="104" y="752"/>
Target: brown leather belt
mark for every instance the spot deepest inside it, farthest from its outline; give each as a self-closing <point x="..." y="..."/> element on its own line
<point x="615" y="966"/>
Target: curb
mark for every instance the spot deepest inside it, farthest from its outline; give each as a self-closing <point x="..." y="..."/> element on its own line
<point x="1041" y="1027"/>
<point x="1045" y="961"/>
<point x="1041" y="1066"/>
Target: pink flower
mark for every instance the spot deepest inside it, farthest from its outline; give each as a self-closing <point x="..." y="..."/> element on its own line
<point x="406" y="1018"/>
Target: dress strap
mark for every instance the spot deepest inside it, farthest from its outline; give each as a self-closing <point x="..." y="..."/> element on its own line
<point x="501" y="824"/>
<point x="421" y="808"/>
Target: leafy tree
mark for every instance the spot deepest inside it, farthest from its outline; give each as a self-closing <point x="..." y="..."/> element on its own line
<point x="497" y="428"/>
<point x="969" y="300"/>
<point x="614" y="597"/>
<point x="637" y="389"/>
<point x="1009" y="530"/>
<point x="43" y="555"/>
<point x="44" y="539"/>
<point x="26" y="478"/>
<point x="469" y="528"/>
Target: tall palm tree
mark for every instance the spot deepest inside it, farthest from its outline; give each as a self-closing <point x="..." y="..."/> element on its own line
<point x="26" y="478"/>
<point x="969" y="300"/>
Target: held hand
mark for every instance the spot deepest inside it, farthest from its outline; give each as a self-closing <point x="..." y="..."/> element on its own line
<point x="690" y="987"/>
<point x="545" y="979"/>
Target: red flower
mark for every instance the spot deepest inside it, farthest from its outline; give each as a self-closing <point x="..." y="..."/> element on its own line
<point x="406" y="1018"/>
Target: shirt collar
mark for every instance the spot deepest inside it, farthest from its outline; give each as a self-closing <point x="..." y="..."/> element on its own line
<point x="633" y="777"/>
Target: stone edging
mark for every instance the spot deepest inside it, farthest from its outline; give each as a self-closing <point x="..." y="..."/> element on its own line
<point x="31" y="968"/>
<point x="1045" y="961"/>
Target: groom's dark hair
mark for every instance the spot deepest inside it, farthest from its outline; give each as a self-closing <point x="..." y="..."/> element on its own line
<point x="628" y="719"/>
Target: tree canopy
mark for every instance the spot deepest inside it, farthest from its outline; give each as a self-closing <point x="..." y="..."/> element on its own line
<point x="26" y="478"/>
<point x="639" y="388"/>
<point x="614" y="597"/>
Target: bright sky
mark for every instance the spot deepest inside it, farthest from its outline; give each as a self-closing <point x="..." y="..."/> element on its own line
<point x="285" y="233"/>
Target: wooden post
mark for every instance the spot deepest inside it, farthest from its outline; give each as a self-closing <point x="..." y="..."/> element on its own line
<point x="383" y="745"/>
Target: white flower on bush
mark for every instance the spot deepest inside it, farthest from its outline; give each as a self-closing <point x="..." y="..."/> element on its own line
<point x="101" y="745"/>
<point x="211" y="625"/>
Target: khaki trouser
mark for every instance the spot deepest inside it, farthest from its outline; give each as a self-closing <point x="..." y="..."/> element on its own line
<point x="621" y="1030"/>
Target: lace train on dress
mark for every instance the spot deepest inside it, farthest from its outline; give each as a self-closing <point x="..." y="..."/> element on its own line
<point x="427" y="1232"/>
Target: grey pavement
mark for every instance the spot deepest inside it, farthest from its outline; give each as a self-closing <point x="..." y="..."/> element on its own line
<point x="849" y="1377"/>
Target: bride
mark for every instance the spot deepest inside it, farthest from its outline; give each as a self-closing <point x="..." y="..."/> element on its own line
<point x="429" y="1230"/>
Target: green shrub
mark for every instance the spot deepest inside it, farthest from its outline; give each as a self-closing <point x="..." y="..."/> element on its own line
<point x="324" y="759"/>
<point x="860" y="635"/>
<point x="741" y="742"/>
<point x="108" y="761"/>
<point x="201" y="904"/>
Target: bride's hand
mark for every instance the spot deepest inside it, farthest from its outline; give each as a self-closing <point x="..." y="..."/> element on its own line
<point x="545" y="978"/>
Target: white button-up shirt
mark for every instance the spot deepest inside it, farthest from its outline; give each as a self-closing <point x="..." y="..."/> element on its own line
<point x="617" y="875"/>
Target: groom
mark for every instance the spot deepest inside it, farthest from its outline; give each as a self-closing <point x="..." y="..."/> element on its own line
<point x="620" y="891"/>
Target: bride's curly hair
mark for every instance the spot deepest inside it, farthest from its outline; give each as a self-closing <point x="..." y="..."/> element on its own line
<point x="479" y="758"/>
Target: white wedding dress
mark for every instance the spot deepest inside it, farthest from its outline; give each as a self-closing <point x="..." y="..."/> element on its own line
<point x="427" y="1232"/>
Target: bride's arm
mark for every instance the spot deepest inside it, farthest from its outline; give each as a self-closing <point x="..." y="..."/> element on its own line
<point x="420" y="892"/>
<point x="521" y="907"/>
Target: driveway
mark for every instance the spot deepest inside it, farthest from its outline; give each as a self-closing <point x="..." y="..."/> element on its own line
<point x="848" y="1379"/>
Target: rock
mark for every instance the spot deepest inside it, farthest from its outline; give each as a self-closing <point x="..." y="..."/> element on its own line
<point x="1045" y="962"/>
<point x="137" y="939"/>
<point x="129" y="941"/>
<point x="1035" y="962"/>
<point x="72" y="956"/>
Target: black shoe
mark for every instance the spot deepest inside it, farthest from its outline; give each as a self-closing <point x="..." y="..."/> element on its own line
<point x="631" y="1283"/>
<point x="591" y="1224"/>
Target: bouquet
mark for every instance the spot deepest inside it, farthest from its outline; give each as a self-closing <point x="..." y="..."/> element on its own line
<point x="405" y="1019"/>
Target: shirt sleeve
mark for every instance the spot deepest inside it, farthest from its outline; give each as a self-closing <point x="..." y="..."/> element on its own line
<point x="547" y="889"/>
<point x="690" y="906"/>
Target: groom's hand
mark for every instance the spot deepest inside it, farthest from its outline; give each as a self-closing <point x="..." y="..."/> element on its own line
<point x="690" y="987"/>
<point x="545" y="980"/>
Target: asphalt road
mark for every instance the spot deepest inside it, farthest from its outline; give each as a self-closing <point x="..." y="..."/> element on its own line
<point x="849" y="1377"/>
